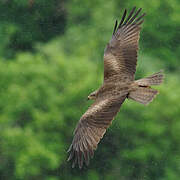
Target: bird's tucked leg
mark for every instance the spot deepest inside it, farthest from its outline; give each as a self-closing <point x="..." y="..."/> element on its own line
<point x="144" y="93"/>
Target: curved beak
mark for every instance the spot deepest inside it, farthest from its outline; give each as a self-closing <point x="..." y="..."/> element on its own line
<point x="88" y="98"/>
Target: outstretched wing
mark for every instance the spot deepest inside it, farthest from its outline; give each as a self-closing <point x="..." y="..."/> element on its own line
<point x="91" y="128"/>
<point x="120" y="55"/>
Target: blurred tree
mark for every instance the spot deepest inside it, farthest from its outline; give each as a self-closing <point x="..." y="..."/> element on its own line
<point x="42" y="98"/>
<point x="23" y="22"/>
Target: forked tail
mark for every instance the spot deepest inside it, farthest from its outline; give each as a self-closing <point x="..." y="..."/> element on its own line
<point x="155" y="79"/>
<point x="143" y="93"/>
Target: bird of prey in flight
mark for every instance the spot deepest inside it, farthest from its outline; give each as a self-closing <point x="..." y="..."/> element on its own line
<point x="120" y="59"/>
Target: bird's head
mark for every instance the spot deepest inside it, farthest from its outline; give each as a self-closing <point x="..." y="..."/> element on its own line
<point x="92" y="95"/>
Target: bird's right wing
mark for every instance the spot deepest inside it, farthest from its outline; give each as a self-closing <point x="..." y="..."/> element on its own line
<point x="91" y="128"/>
<point x="120" y="55"/>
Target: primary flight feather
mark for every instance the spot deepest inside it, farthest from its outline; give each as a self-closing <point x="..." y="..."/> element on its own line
<point x="120" y="59"/>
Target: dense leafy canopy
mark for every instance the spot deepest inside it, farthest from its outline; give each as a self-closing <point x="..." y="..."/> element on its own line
<point x="51" y="59"/>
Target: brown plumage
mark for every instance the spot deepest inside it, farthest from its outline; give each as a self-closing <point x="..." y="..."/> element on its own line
<point x="120" y="58"/>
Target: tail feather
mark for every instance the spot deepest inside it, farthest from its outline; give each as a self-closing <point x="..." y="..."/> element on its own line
<point x="155" y="79"/>
<point x="142" y="92"/>
<point x="143" y="95"/>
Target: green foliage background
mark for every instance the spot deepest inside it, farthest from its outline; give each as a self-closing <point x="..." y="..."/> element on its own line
<point x="51" y="58"/>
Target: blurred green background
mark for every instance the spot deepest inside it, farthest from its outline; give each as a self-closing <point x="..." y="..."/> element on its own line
<point x="51" y="58"/>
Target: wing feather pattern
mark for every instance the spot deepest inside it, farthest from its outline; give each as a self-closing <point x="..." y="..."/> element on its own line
<point x="91" y="128"/>
<point x="120" y="56"/>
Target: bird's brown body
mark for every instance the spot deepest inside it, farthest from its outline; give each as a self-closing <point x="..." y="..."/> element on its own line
<point x="114" y="89"/>
<point x="120" y="59"/>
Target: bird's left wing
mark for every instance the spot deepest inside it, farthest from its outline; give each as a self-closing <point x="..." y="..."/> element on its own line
<point x="120" y="56"/>
<point x="91" y="128"/>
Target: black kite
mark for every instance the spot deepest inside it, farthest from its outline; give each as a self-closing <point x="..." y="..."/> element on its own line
<point x="120" y="58"/>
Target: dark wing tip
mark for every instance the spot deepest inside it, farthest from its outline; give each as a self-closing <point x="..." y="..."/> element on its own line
<point x="80" y="157"/>
<point x="136" y="14"/>
<point x="69" y="148"/>
<point x="131" y="19"/>
<point x="139" y="18"/>
<point x="71" y="155"/>
<point x="130" y="15"/>
<point x="122" y="19"/>
<point x="115" y="26"/>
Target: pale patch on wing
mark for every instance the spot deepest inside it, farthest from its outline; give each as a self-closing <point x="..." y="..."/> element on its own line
<point x="98" y="106"/>
<point x="111" y="62"/>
